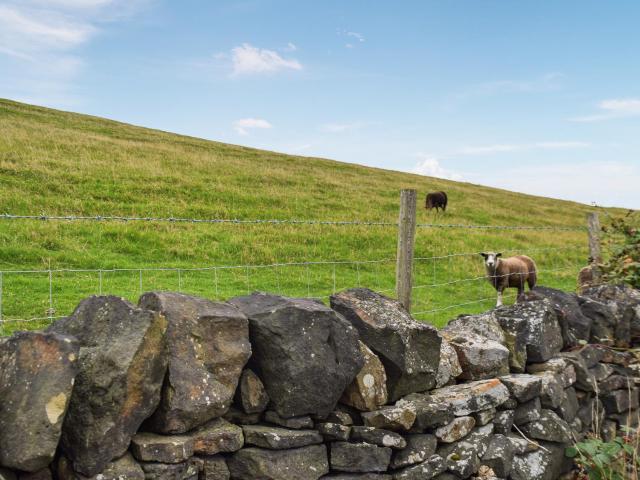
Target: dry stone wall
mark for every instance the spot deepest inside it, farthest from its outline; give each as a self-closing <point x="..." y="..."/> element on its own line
<point x="268" y="387"/>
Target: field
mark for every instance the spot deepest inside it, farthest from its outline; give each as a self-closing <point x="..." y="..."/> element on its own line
<point x="59" y="163"/>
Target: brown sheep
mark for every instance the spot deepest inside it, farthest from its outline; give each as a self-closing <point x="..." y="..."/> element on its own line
<point x="436" y="200"/>
<point x="510" y="272"/>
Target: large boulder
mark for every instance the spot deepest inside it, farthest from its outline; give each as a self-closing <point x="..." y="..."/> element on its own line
<point x="409" y="350"/>
<point x="535" y="325"/>
<point x="207" y="347"/>
<point x="574" y="324"/>
<point x="626" y="297"/>
<point x="305" y="353"/>
<point x="309" y="463"/>
<point x="37" y="372"/>
<point x="368" y="391"/>
<point x="484" y="324"/>
<point x="479" y="357"/>
<point x="121" y="367"/>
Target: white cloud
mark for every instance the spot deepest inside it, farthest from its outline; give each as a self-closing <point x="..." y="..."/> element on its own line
<point x="430" y="166"/>
<point x="290" y="47"/>
<point x="545" y="83"/>
<point x="243" y="125"/>
<point x="340" y="127"/>
<point x="502" y="148"/>
<point x="613" y="108"/>
<point x="248" y="60"/>
<point x="356" y="35"/>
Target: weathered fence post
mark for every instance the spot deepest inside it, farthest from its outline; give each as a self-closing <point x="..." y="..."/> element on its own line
<point x="406" y="238"/>
<point x="593" y="225"/>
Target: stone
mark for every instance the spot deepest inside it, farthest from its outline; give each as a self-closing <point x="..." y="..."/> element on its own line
<point x="300" y="463"/>
<point x="484" y="416"/>
<point x="552" y="391"/>
<point x="44" y="474"/>
<point x="426" y="470"/>
<point x="121" y="366"/>
<point x="461" y="458"/>
<point x="151" y="447"/>
<point x="575" y="326"/>
<point x="541" y="464"/>
<point x="357" y="476"/>
<point x="378" y="436"/>
<point x="123" y="468"/>
<point x="429" y="412"/>
<point x="515" y="331"/>
<point x="334" y="432"/>
<point x="527" y="412"/>
<point x="619" y="401"/>
<point x="340" y="416"/>
<point x="480" y="437"/>
<point x="449" y="368"/>
<point x="610" y="355"/>
<point x="173" y="471"/>
<point x="590" y="409"/>
<point x="584" y="378"/>
<point x="409" y="350"/>
<point x="523" y="387"/>
<point x="466" y="398"/>
<point x="454" y="431"/>
<point x="549" y="427"/>
<point x="591" y="354"/>
<point x="568" y="409"/>
<point x="238" y="416"/>
<point x="359" y="457"/>
<point x="303" y="421"/>
<point x="615" y="382"/>
<point x="609" y="430"/>
<point x="508" y="404"/>
<point x="627" y="303"/>
<point x="207" y="348"/>
<point x="368" y="391"/>
<point x="499" y="455"/>
<point x="541" y="334"/>
<point x="521" y="445"/>
<point x="484" y="324"/>
<point x="216" y="436"/>
<point x="601" y="371"/>
<point x="279" y="438"/>
<point x="419" y="448"/>
<point x="37" y="372"/>
<point x="554" y="365"/>
<point x="603" y="320"/>
<point x="479" y="357"/>
<point x="503" y="421"/>
<point x="399" y="417"/>
<point x="305" y="353"/>
<point x="214" y="468"/>
<point x="251" y="393"/>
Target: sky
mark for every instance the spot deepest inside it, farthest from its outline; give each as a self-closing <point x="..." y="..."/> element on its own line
<point x="537" y="96"/>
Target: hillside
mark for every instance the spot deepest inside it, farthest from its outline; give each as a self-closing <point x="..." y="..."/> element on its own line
<point x="62" y="163"/>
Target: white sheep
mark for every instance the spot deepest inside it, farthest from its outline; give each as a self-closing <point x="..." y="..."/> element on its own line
<point x="510" y="272"/>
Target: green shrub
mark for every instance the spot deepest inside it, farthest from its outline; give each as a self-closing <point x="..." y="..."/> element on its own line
<point x="622" y="250"/>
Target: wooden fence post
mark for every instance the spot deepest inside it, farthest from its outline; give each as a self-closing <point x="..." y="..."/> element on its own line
<point x="406" y="239"/>
<point x="593" y="225"/>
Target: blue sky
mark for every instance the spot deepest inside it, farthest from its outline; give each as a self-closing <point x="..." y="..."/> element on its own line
<point x="535" y="96"/>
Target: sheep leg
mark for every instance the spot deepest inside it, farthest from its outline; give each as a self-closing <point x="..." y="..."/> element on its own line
<point x="499" y="301"/>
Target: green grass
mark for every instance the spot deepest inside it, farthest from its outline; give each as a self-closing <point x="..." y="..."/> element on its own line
<point x="64" y="163"/>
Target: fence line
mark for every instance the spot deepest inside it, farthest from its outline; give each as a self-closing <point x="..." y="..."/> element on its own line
<point x="117" y="218"/>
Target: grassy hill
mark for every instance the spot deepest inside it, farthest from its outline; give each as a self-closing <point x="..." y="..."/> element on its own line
<point x="62" y="163"/>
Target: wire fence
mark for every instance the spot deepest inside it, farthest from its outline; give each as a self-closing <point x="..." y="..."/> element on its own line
<point x="445" y="285"/>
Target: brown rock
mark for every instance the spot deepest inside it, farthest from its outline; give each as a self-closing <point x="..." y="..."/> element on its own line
<point x="368" y="391"/>
<point x="252" y="395"/>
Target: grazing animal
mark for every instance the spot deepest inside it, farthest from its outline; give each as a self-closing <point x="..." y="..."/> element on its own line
<point x="436" y="200"/>
<point x="510" y="272"/>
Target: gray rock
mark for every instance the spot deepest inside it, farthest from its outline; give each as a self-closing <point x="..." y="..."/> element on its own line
<point x="359" y="457"/>
<point x="44" y="474"/>
<point x="357" y="476"/>
<point x="429" y="412"/>
<point x="627" y="301"/>
<point x="214" y="468"/>
<point x="615" y="382"/>
<point x="603" y="319"/>
<point x="480" y="437"/>
<point x="334" y="432"/>
<point x="466" y="398"/>
<point x="399" y="417"/>
<point x="449" y="368"/>
<point x="301" y="463"/>
<point x="409" y="350"/>
<point x="461" y="458"/>
<point x="568" y="409"/>
<point x="549" y="427"/>
<point x="552" y="391"/>
<point x="542" y="464"/>
<point x="121" y="368"/>
<point x="420" y="447"/>
<point x="522" y="387"/>
<point x="508" y="404"/>
<point x="527" y="412"/>
<point x="170" y="471"/>
<point x="590" y="410"/>
<point x="521" y="445"/>
<point x="542" y="335"/>
<point x="340" y="416"/>
<point x="151" y="447"/>
<point x="515" y="330"/>
<point x="368" y="391"/>
<point x="423" y="471"/>
<point x="619" y="401"/>
<point x="377" y="436"/>
<point x="479" y="357"/>
<point x="484" y="416"/>
<point x="216" y="436"/>
<point x="454" y="431"/>
<point x="600" y="371"/>
<point x="279" y="438"/>
<point x="238" y="416"/>
<point x="609" y="430"/>
<point x="207" y="347"/>
<point x="305" y="353"/>
<point x="591" y="354"/>
<point x="503" y="421"/>
<point x="499" y="455"/>
<point x="484" y="324"/>
<point x="37" y="372"/>
<point x="584" y="378"/>
<point x="251" y="393"/>
<point x="303" y="421"/>
<point x="123" y="468"/>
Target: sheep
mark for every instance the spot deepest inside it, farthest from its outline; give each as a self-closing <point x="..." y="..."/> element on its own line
<point x="436" y="200"/>
<point x="510" y="272"/>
